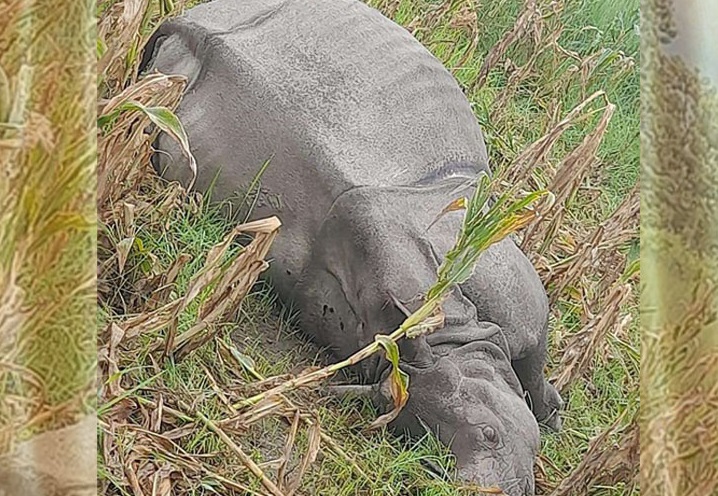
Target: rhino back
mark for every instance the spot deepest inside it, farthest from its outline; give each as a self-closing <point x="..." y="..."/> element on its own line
<point x="364" y="102"/>
<point x="337" y="95"/>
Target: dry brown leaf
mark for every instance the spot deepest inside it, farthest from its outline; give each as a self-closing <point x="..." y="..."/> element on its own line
<point x="272" y="405"/>
<point x="309" y="457"/>
<point x="527" y="16"/>
<point x="132" y="478"/>
<point x="287" y="454"/>
<point x="123" y="251"/>
<point x="235" y="282"/>
<point x="162" y="481"/>
<point x="572" y="170"/>
<point x="454" y="206"/>
<point x="124" y="151"/>
<point x="119" y="29"/>
<point x="117" y="334"/>
<point x="606" y="463"/>
<point x="621" y="228"/>
<point x="578" y="354"/>
<point x="400" y="398"/>
<point x="166" y="282"/>
<point x="537" y="152"/>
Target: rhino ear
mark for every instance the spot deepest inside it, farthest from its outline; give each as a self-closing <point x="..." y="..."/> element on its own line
<point x="175" y="49"/>
<point x="416" y="353"/>
<point x="150" y="50"/>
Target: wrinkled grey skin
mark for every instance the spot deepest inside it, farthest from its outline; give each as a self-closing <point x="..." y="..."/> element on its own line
<point x="369" y="138"/>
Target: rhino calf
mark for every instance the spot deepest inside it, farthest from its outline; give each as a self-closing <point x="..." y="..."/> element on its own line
<point x="368" y="138"/>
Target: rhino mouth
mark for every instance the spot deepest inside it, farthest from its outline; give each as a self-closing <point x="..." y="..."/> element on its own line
<point x="508" y="486"/>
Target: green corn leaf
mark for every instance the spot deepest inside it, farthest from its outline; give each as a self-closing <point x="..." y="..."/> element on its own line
<point x="101" y="48"/>
<point x="5" y="102"/>
<point x="168" y="122"/>
<point x="398" y="385"/>
<point x="632" y="269"/>
<point x="480" y="229"/>
<point x="166" y="7"/>
<point x="164" y="119"/>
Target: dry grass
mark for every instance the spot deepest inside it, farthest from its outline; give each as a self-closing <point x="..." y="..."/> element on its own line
<point x="186" y="408"/>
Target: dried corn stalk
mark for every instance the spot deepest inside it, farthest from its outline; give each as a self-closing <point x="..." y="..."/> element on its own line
<point x="578" y="354"/>
<point x="571" y="173"/>
<point x="606" y="463"/>
<point x="124" y="150"/>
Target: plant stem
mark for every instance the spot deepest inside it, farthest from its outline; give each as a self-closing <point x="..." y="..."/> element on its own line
<point x="248" y="462"/>
<point x="318" y="375"/>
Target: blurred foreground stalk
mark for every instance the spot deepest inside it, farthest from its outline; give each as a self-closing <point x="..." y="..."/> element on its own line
<point x="679" y="370"/>
<point x="47" y="215"/>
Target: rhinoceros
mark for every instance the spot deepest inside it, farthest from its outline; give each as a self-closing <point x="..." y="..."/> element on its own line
<point x="368" y="138"/>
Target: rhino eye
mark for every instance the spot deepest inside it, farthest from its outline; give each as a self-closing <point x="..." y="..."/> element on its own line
<point x="490" y="434"/>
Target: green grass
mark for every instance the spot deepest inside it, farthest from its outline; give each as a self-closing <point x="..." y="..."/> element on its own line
<point x="265" y="331"/>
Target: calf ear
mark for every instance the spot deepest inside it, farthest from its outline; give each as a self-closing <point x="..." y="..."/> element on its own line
<point x="150" y="51"/>
<point x="399" y="304"/>
<point x="413" y="351"/>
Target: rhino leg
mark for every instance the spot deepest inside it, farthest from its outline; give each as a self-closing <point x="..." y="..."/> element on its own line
<point x="545" y="400"/>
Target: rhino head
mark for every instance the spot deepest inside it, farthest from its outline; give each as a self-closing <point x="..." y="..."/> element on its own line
<point x="470" y="398"/>
<point x="462" y="385"/>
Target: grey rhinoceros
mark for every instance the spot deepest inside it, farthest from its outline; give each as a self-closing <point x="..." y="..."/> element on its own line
<point x="369" y="137"/>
